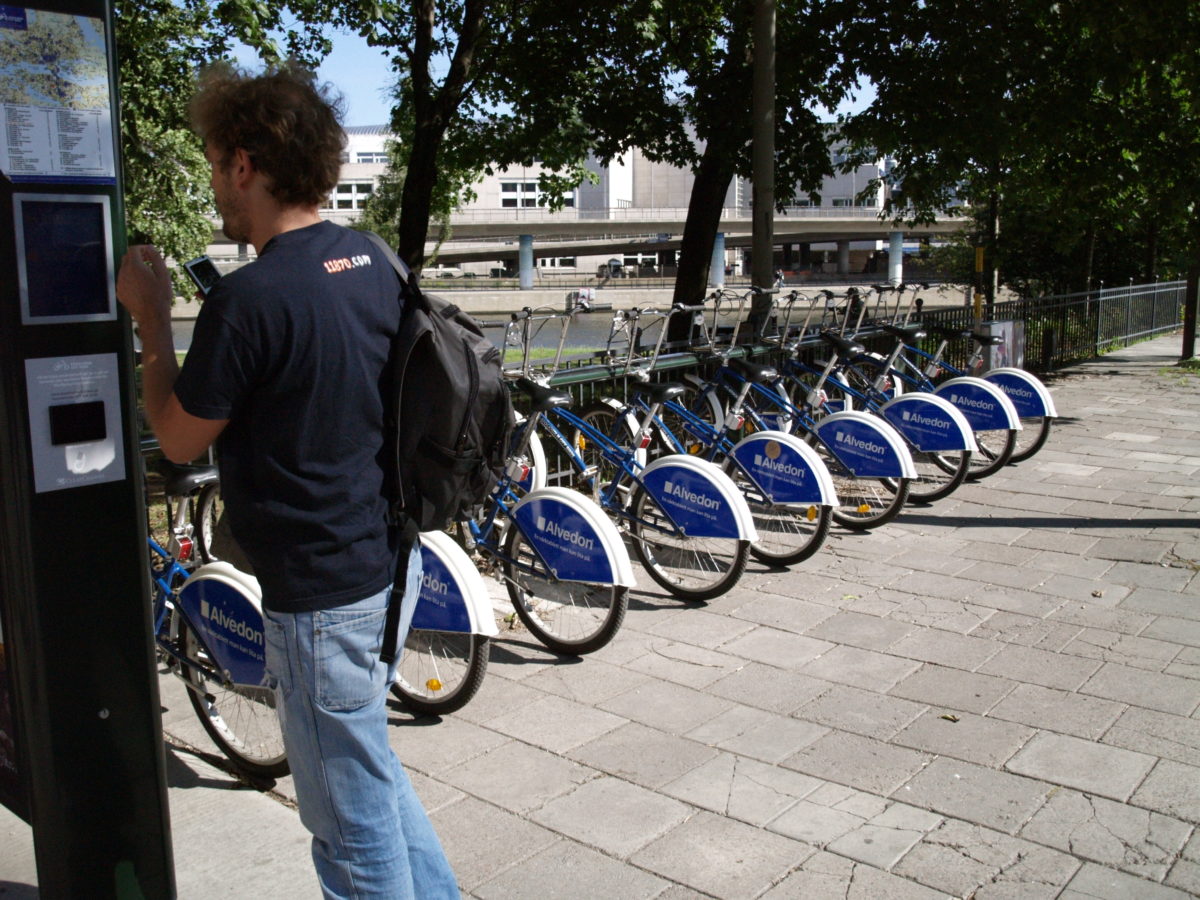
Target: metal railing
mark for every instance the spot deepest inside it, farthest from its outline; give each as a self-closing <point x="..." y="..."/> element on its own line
<point x="1066" y="328"/>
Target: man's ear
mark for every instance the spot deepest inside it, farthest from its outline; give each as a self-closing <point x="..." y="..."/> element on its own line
<point x="242" y="166"/>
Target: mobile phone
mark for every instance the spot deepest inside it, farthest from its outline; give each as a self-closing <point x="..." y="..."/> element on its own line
<point x="203" y="272"/>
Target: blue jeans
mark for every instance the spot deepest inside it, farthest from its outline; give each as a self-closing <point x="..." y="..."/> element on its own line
<point x="371" y="836"/>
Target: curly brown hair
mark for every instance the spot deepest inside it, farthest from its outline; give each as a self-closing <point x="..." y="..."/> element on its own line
<point x="288" y="124"/>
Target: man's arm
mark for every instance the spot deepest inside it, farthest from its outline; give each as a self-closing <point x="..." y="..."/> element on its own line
<point x="144" y="288"/>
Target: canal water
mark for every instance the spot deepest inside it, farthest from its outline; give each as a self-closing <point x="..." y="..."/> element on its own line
<point x="589" y="331"/>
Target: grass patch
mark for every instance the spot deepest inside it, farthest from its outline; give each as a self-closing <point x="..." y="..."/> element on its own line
<point x="543" y="354"/>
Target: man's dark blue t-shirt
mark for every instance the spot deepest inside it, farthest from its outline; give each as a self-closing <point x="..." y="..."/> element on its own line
<point x="292" y="350"/>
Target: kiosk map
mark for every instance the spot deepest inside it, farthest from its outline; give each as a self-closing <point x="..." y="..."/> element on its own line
<point x="54" y="96"/>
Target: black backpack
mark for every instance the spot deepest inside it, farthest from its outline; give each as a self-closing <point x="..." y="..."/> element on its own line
<point x="450" y="415"/>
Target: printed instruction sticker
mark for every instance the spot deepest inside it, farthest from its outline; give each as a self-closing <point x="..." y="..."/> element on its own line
<point x="74" y="421"/>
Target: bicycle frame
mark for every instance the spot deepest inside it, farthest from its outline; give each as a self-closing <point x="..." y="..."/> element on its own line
<point x="608" y="496"/>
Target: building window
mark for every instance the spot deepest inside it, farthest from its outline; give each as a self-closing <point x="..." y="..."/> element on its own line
<point x="374" y="156"/>
<point x="842" y="201"/>
<point x="350" y="195"/>
<point x="556" y="262"/>
<point x="525" y="195"/>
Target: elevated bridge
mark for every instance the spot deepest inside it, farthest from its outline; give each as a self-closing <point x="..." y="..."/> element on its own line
<point x="519" y="236"/>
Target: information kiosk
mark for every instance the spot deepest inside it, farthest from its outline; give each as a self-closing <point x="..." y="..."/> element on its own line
<point x="81" y="755"/>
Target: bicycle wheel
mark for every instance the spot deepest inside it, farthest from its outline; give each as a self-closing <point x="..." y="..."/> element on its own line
<point x="1032" y="437"/>
<point x="864" y="503"/>
<point x="241" y="720"/>
<point x="786" y="534"/>
<point x="938" y="474"/>
<point x="569" y="617"/>
<point x="704" y="405"/>
<point x="208" y="511"/>
<point x="440" y="671"/>
<point x="688" y="567"/>
<point x="605" y="420"/>
<point x="995" y="451"/>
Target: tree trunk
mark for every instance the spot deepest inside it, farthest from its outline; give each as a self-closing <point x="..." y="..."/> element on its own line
<point x="992" y="273"/>
<point x="1151" y="259"/>
<point x="433" y="110"/>
<point x="1090" y="255"/>
<point x="417" y="197"/>
<point x="1192" y="295"/>
<point x="699" y="233"/>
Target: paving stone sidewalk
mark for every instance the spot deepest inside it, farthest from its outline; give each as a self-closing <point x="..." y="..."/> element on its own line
<point x="994" y="696"/>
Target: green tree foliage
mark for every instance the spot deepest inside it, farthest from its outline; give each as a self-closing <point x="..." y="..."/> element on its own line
<point x="1067" y="129"/>
<point x="161" y="47"/>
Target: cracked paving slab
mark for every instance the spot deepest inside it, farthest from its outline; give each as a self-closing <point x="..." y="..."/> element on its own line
<point x="1138" y="841"/>
<point x="973" y="861"/>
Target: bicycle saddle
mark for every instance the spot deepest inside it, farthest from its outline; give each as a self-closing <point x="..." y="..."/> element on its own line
<point x="661" y="391"/>
<point x="543" y="398"/>
<point x="906" y="333"/>
<point x="181" y="480"/>
<point x="841" y="345"/>
<point x="753" y="372"/>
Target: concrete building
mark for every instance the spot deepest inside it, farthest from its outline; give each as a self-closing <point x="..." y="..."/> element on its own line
<point x="626" y="222"/>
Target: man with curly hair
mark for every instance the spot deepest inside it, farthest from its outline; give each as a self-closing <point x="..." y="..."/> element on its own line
<point x="286" y="374"/>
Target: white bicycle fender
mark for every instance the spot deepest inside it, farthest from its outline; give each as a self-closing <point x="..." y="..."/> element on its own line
<point x="702" y="499"/>
<point x="930" y="422"/>
<point x="453" y="594"/>
<point x="225" y="607"/>
<point x="986" y="407"/>
<point x="537" y="462"/>
<point x="867" y="445"/>
<point x="631" y="425"/>
<point x="1026" y="391"/>
<point x="570" y="529"/>
<point x="785" y="469"/>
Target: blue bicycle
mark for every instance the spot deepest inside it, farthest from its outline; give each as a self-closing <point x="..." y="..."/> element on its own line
<point x="785" y="483"/>
<point x="690" y="526"/>
<point x="208" y="628"/>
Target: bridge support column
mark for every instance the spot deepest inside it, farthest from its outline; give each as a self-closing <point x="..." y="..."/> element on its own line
<point x="896" y="258"/>
<point x="843" y="259"/>
<point x="716" y="269"/>
<point x="525" y="262"/>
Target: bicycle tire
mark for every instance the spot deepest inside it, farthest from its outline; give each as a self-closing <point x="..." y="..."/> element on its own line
<point x="569" y="617"/>
<point x="604" y="419"/>
<point x="209" y="507"/>
<point x="689" y="568"/>
<point x="440" y="671"/>
<point x="863" y="503"/>
<point x="1038" y="430"/>
<point x="704" y="405"/>
<point x="786" y="534"/>
<point x="939" y="474"/>
<point x="242" y="722"/>
<point x="995" y="452"/>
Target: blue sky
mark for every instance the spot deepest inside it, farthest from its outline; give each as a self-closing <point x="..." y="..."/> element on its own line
<point x="363" y="76"/>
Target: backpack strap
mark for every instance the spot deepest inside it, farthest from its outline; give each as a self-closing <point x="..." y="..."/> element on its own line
<point x="407" y="526"/>
<point x="407" y="277"/>
<point x="409" y="535"/>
